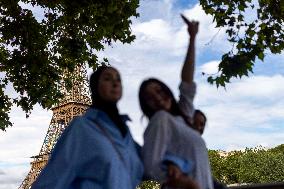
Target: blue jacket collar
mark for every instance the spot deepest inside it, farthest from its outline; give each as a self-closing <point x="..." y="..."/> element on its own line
<point x="93" y="113"/>
<point x="102" y="118"/>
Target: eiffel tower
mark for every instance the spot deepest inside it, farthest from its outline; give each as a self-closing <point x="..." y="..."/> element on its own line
<point x="74" y="103"/>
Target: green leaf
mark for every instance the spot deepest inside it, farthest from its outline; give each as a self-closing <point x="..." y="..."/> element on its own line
<point x="260" y="56"/>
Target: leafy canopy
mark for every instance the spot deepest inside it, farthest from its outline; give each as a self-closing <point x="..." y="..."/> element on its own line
<point x="251" y="38"/>
<point x="34" y="53"/>
<point x="251" y="166"/>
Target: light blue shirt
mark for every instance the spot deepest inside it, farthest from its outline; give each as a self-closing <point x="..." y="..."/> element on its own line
<point x="84" y="158"/>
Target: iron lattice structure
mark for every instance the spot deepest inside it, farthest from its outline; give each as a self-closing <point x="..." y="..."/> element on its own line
<point x="74" y="103"/>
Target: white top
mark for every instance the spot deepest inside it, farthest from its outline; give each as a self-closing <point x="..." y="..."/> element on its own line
<point x="168" y="134"/>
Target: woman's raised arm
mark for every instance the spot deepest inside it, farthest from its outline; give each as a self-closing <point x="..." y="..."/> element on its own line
<point x="187" y="73"/>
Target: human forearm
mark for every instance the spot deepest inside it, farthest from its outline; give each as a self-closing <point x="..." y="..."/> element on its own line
<point x="187" y="73"/>
<point x="184" y="182"/>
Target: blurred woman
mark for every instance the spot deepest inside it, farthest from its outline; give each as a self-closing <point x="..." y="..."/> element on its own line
<point x="96" y="150"/>
<point x="168" y="139"/>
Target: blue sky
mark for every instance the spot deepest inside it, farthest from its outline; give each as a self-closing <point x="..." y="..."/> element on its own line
<point x="248" y="113"/>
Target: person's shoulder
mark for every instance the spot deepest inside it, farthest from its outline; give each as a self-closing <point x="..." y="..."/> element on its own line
<point x="78" y="124"/>
<point x="160" y="116"/>
<point x="83" y="129"/>
<point x="77" y="120"/>
<point x="159" y="123"/>
<point x="161" y="113"/>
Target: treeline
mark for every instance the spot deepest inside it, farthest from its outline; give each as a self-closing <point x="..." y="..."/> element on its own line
<point x="253" y="165"/>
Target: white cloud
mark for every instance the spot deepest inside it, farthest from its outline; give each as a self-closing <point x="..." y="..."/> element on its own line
<point x="244" y="115"/>
<point x="155" y="9"/>
<point x="12" y="176"/>
<point x="30" y="131"/>
<point x="208" y="35"/>
<point x="210" y="67"/>
<point x="155" y="32"/>
<point x="19" y="143"/>
<point x="170" y="33"/>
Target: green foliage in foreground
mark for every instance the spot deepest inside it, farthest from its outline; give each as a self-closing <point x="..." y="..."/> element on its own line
<point x="253" y="27"/>
<point x="36" y="50"/>
<point x="149" y="184"/>
<point x="253" y="165"/>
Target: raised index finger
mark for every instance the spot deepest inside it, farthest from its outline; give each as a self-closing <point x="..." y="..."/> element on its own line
<point x="185" y="19"/>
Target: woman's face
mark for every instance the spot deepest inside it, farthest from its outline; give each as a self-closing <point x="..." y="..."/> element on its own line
<point x="199" y="123"/>
<point x="156" y="98"/>
<point x="109" y="86"/>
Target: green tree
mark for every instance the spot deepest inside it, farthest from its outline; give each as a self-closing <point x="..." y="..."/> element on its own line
<point x="35" y="53"/>
<point x="254" y="165"/>
<point x="278" y="149"/>
<point x="263" y="34"/>
<point x="232" y="167"/>
<point x="251" y="166"/>
<point x="261" y="166"/>
<point x="217" y="165"/>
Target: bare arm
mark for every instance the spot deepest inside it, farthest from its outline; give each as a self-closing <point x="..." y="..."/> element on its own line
<point x="187" y="73"/>
<point x="177" y="179"/>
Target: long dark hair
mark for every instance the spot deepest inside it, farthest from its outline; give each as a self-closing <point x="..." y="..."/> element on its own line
<point x="110" y="108"/>
<point x="149" y="112"/>
<point x="94" y="82"/>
